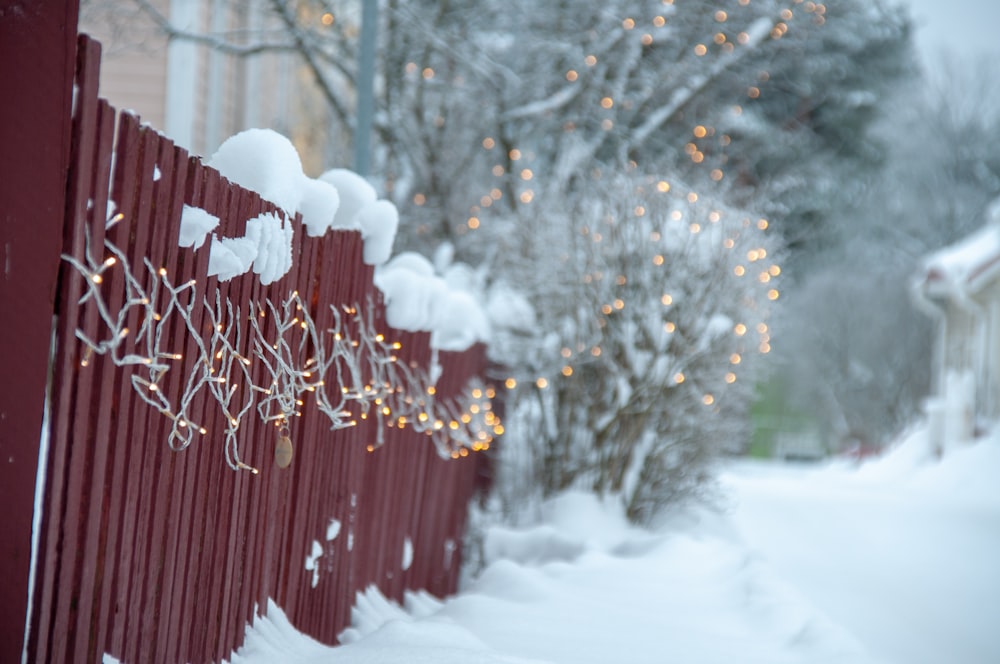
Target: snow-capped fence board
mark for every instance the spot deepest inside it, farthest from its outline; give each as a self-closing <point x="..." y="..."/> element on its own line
<point x="154" y="554"/>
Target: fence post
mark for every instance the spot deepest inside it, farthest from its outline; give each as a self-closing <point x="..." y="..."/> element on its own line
<point x="37" y="61"/>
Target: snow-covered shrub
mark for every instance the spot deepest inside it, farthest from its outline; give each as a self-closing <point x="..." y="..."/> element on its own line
<point x="650" y="306"/>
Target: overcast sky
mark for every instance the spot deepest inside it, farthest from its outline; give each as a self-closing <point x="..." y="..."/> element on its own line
<point x="965" y="27"/>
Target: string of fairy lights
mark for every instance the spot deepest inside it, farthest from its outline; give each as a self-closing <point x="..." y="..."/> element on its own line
<point x="268" y="357"/>
<point x="655" y="240"/>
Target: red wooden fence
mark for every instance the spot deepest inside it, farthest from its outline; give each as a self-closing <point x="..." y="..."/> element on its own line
<point x="151" y="554"/>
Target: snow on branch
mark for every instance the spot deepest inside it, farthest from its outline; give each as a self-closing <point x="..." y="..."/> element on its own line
<point x="757" y="32"/>
<point x="551" y="103"/>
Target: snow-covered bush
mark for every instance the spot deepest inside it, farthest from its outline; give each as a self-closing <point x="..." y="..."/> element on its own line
<point x="650" y="305"/>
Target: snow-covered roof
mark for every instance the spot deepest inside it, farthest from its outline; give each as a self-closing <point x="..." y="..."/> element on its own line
<point x="962" y="269"/>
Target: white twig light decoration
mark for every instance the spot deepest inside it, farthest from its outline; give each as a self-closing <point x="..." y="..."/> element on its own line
<point x="349" y="371"/>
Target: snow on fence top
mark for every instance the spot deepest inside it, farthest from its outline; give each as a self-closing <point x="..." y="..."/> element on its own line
<point x="266" y="162"/>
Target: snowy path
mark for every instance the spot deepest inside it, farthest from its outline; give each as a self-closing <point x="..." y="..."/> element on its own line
<point x="898" y="563"/>
<point x="585" y="588"/>
<point x="911" y="569"/>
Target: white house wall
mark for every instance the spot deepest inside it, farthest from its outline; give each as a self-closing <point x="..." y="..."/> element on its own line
<point x="133" y="62"/>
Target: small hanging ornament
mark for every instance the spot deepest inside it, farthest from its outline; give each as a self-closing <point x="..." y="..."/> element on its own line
<point x="283" y="448"/>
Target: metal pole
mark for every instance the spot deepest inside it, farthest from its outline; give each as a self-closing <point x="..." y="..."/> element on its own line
<point x="366" y="87"/>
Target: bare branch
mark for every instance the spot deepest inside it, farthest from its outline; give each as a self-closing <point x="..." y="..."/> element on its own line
<point x="309" y="57"/>
<point x="211" y="41"/>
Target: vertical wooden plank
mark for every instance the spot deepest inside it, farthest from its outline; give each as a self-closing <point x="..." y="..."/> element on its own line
<point x="328" y="447"/>
<point x="160" y="516"/>
<point x="423" y="543"/>
<point x="313" y="475"/>
<point x="273" y="525"/>
<point x="263" y="528"/>
<point x="81" y="451"/>
<point x="228" y="561"/>
<point x="190" y="515"/>
<point x="38" y="45"/>
<point x="331" y="292"/>
<point x="183" y="614"/>
<point x="175" y="516"/>
<point x="94" y="484"/>
<point x="212" y="484"/>
<point x="133" y="235"/>
<point x="123" y="194"/>
<point x="256" y="440"/>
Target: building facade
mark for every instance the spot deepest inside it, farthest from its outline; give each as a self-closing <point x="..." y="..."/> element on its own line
<point x="960" y="287"/>
<point x="203" y="70"/>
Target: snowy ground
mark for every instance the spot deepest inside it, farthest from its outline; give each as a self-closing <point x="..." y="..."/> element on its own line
<point x="896" y="562"/>
<point x="905" y="555"/>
